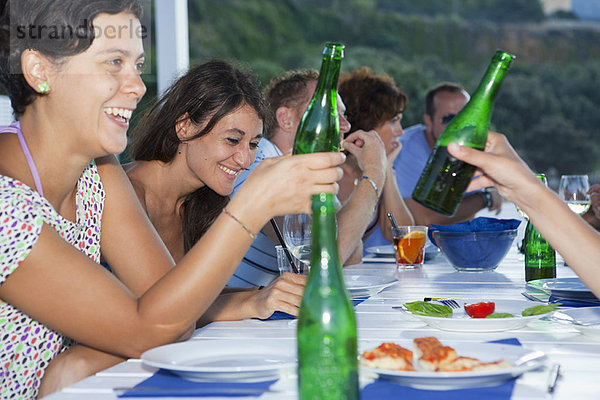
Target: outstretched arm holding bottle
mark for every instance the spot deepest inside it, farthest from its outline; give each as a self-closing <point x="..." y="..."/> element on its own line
<point x="500" y="166"/>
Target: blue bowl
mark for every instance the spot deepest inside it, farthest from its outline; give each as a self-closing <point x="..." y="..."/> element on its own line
<point x="475" y="251"/>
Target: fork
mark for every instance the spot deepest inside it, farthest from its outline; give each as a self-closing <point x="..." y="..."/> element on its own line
<point x="447" y="302"/>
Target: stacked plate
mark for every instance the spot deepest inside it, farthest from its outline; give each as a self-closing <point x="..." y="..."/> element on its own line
<point x="566" y="289"/>
<point x="586" y="319"/>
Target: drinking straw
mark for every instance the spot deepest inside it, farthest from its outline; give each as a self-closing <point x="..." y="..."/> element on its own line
<point x="392" y="220"/>
<point x="282" y="242"/>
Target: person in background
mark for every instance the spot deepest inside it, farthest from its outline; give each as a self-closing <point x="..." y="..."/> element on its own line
<point x="288" y="96"/>
<point x="65" y="202"/>
<point x="442" y="103"/>
<point x="375" y="103"/>
<point x="188" y="151"/>
<point x="500" y="166"/>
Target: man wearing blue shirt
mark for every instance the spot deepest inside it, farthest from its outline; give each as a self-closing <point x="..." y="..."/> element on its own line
<point x="442" y="103"/>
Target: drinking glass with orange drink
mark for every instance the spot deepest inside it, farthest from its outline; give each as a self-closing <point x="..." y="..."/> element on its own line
<point x="409" y="245"/>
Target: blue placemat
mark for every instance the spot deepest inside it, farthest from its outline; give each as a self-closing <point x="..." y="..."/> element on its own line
<point x="277" y="315"/>
<point x="165" y="384"/>
<point x="384" y="389"/>
<point x="573" y="303"/>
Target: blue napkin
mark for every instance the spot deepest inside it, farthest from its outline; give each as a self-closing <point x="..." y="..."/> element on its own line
<point x="476" y="225"/>
<point x="165" y="384"/>
<point x="573" y="303"/>
<point x="384" y="389"/>
<point x="277" y="315"/>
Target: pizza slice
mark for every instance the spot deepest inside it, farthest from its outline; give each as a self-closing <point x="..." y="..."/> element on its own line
<point x="389" y="356"/>
<point x="432" y="354"/>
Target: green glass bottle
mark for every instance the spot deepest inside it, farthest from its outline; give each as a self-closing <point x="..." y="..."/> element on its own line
<point x="327" y="339"/>
<point x="444" y="179"/>
<point x="540" y="257"/>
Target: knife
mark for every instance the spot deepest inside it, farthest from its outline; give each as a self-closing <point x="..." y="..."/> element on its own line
<point x="553" y="378"/>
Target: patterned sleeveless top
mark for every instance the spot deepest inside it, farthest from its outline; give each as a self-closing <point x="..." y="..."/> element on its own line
<point x="27" y="346"/>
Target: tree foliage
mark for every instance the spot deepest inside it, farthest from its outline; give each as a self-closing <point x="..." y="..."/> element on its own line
<point x="546" y="105"/>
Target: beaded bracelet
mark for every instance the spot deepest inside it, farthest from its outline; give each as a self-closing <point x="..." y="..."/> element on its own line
<point x="252" y="235"/>
<point x="372" y="182"/>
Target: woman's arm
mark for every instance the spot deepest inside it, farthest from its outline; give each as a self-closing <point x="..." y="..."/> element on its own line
<point x="82" y="300"/>
<point x="574" y="239"/>
<point x="392" y="201"/>
<point x="283" y="294"/>
<point x="357" y="212"/>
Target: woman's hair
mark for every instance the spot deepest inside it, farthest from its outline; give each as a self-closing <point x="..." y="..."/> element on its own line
<point x="56" y="28"/>
<point x="370" y="99"/>
<point x="205" y="94"/>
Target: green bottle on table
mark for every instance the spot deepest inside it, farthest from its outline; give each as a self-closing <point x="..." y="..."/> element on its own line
<point x="444" y="179"/>
<point x="327" y="339"/>
<point x="540" y="257"/>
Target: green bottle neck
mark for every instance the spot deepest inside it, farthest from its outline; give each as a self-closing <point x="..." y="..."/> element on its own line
<point x="325" y="255"/>
<point x="532" y="235"/>
<point x="471" y="124"/>
<point x="319" y="128"/>
<point x="327" y="83"/>
<point x="492" y="80"/>
<point x="531" y="231"/>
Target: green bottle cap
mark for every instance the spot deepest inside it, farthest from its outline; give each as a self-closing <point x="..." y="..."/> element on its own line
<point x="504" y="58"/>
<point x="542" y="177"/>
<point x="334" y="50"/>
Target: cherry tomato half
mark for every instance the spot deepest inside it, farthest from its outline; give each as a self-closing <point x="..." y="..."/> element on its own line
<point x="480" y="310"/>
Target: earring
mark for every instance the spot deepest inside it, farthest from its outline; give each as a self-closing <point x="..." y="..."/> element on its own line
<point x="44" y="88"/>
<point x="180" y="147"/>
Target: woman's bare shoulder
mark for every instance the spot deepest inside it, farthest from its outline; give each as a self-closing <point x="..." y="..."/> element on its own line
<point x="117" y="176"/>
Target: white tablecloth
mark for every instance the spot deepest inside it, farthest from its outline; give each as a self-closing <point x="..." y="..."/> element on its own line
<point x="578" y="355"/>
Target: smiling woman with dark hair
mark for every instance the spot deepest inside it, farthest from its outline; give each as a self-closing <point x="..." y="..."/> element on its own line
<point x="65" y="202"/>
<point x="189" y="150"/>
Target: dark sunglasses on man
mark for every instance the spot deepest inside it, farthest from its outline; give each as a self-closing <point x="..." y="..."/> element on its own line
<point x="447" y="118"/>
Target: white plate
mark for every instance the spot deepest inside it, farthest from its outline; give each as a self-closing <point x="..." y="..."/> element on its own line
<point x="461" y="322"/>
<point x="486" y="352"/>
<point x="585" y="319"/>
<point x="382" y="251"/>
<point x="564" y="288"/>
<point x="222" y="360"/>
<point x="431" y="250"/>
<point x="363" y="285"/>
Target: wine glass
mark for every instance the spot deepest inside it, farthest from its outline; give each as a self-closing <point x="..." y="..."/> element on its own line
<point x="573" y="190"/>
<point x="297" y="236"/>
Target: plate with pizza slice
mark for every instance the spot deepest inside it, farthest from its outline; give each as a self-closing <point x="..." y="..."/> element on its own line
<point x="426" y="363"/>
